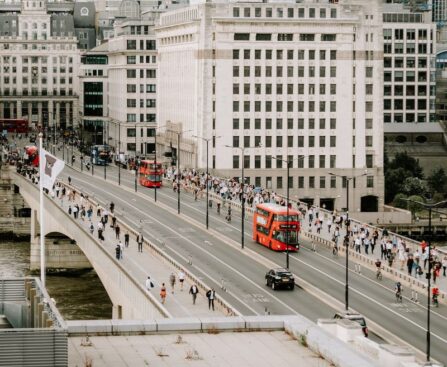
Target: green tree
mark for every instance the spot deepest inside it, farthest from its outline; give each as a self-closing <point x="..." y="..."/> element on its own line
<point x="397" y="171"/>
<point x="414" y="186"/>
<point x="437" y="181"/>
<point x="414" y="207"/>
<point x="400" y="202"/>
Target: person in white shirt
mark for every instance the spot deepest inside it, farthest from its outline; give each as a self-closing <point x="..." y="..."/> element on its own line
<point x="181" y="278"/>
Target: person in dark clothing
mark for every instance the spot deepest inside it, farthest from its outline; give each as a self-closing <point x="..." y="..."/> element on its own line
<point x="118" y="252"/>
<point x="410" y="262"/>
<point x="126" y="239"/>
<point x="211" y="295"/>
<point x="117" y="231"/>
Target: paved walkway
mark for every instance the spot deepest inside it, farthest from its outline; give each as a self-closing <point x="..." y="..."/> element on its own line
<point x="147" y="263"/>
<point x="399" y="262"/>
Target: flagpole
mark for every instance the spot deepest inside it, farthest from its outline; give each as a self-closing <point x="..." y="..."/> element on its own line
<point x="42" y="233"/>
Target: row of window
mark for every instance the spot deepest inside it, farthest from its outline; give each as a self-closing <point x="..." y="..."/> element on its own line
<point x="35" y="80"/>
<point x="408" y="117"/>
<point x="410" y="76"/>
<point x="36" y="46"/>
<point x="311" y="182"/>
<point x="268" y="12"/>
<point x="410" y="90"/>
<point x="408" y="34"/>
<point x="131" y="132"/>
<point x="142" y="59"/>
<point x="289" y="106"/>
<point x="409" y="62"/>
<point x="150" y="73"/>
<point x="410" y="104"/>
<point x="143" y="45"/>
<point x="294" y="163"/>
<point x="36" y="92"/>
<point x="280" y="71"/>
<point x="148" y="117"/>
<point x="36" y="59"/>
<point x="150" y="103"/>
<point x="267" y="124"/>
<point x="399" y="48"/>
<point x="285" y="37"/>
<point x="289" y="54"/>
<point x="266" y="141"/>
<point x="150" y="88"/>
<point x="280" y="89"/>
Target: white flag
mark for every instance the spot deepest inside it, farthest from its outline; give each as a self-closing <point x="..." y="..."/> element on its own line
<point x="50" y="167"/>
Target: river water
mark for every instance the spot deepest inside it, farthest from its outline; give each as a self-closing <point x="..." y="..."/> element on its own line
<point x="80" y="297"/>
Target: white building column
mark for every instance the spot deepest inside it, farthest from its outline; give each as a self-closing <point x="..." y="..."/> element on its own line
<point x="51" y="116"/>
<point x="2" y="110"/>
<point x="40" y="116"/>
<point x="58" y="114"/>
<point x="19" y="109"/>
<point x="67" y="114"/>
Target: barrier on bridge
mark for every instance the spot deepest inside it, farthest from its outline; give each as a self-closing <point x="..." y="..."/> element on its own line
<point x="228" y="310"/>
<point x="389" y="271"/>
<point x="139" y="298"/>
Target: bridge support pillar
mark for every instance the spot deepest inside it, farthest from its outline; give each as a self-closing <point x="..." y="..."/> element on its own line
<point x="34" y="225"/>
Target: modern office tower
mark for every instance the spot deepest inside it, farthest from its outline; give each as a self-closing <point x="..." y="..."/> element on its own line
<point x="39" y="61"/>
<point x="410" y="121"/>
<point x="280" y="81"/>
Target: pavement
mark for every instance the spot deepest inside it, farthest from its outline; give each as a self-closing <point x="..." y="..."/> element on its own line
<point x="148" y="263"/>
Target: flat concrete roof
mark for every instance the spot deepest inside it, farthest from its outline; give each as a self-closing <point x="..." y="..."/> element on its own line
<point x="248" y="349"/>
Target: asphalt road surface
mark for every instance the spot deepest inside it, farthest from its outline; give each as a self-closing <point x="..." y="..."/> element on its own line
<point x="217" y="261"/>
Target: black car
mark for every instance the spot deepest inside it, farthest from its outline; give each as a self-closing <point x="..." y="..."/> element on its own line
<point x="279" y="278"/>
<point x="353" y="317"/>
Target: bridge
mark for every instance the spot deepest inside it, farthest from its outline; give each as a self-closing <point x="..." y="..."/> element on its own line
<point x="215" y="258"/>
<point x="129" y="298"/>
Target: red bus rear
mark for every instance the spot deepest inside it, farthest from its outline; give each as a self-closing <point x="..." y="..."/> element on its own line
<point x="150" y="173"/>
<point x="14" y="125"/>
<point x="272" y="229"/>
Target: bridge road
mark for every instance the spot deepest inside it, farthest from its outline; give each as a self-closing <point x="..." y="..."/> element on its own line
<point x="321" y="269"/>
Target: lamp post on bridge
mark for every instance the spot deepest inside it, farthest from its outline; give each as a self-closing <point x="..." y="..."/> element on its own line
<point x="207" y="140"/>
<point x="346" y="243"/>
<point x="430" y="207"/>
<point x="288" y="162"/>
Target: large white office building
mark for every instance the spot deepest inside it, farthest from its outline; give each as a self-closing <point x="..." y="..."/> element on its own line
<point x="280" y="81"/>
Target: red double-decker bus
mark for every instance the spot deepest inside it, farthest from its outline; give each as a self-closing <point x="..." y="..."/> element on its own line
<point x="271" y="227"/>
<point x="150" y="173"/>
<point x="14" y="125"/>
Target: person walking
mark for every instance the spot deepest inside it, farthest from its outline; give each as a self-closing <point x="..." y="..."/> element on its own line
<point x="172" y="282"/>
<point x="100" y="229"/>
<point x="194" y="291"/>
<point x="211" y="295"/>
<point x="444" y="265"/>
<point x="117" y="231"/>
<point x="91" y="228"/>
<point x="113" y="221"/>
<point x="126" y="239"/>
<point x="118" y="252"/>
<point x="140" y="240"/>
<point x="149" y="283"/>
<point x="181" y="278"/>
<point x="163" y="293"/>
<point x="120" y="244"/>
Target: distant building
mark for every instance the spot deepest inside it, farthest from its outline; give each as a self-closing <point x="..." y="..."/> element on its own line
<point x="39" y="61"/>
<point x="279" y="81"/>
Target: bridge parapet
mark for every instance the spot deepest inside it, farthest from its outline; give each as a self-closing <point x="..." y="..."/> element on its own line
<point x="125" y="292"/>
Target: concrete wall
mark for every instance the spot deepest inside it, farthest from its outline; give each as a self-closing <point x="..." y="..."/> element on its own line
<point x="120" y="285"/>
<point x="59" y="257"/>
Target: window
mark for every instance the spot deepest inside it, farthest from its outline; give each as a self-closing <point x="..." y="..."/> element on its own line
<point x="285" y="36"/>
<point x="368" y="140"/>
<point x="257" y="161"/>
<point x="308" y="37"/>
<point x="290" y="141"/>
<point x="235" y="54"/>
<point x="322" y="141"/>
<point x="235" y="124"/>
<point x="369" y="161"/>
<point x="131" y="132"/>
<point x="300" y="182"/>
<point x="279" y="141"/>
<point x="311" y="182"/>
<point x="322" y="161"/>
<point x="263" y="36"/>
<point x="131" y="44"/>
<point x="311" y="161"/>
<point x="332" y="141"/>
<point x="370" y="181"/>
<point x="242" y="36"/>
<point x="279" y="182"/>
<point x="235" y="71"/>
<point x="333" y="182"/>
<point x="328" y="37"/>
<point x="322" y="182"/>
<point x="236" y="12"/>
<point x="268" y="161"/>
<point x="235" y="162"/>
<point x="279" y="161"/>
<point x="131" y="73"/>
<point x="246" y="161"/>
<point x="268" y="141"/>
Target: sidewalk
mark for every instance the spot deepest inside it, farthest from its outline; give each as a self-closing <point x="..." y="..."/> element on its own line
<point x="441" y="282"/>
<point x="148" y="263"/>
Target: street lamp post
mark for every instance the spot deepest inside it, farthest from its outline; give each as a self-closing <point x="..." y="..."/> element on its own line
<point x="348" y="179"/>
<point x="288" y="162"/>
<point x="119" y="153"/>
<point x="430" y="207"/>
<point x="207" y="140"/>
